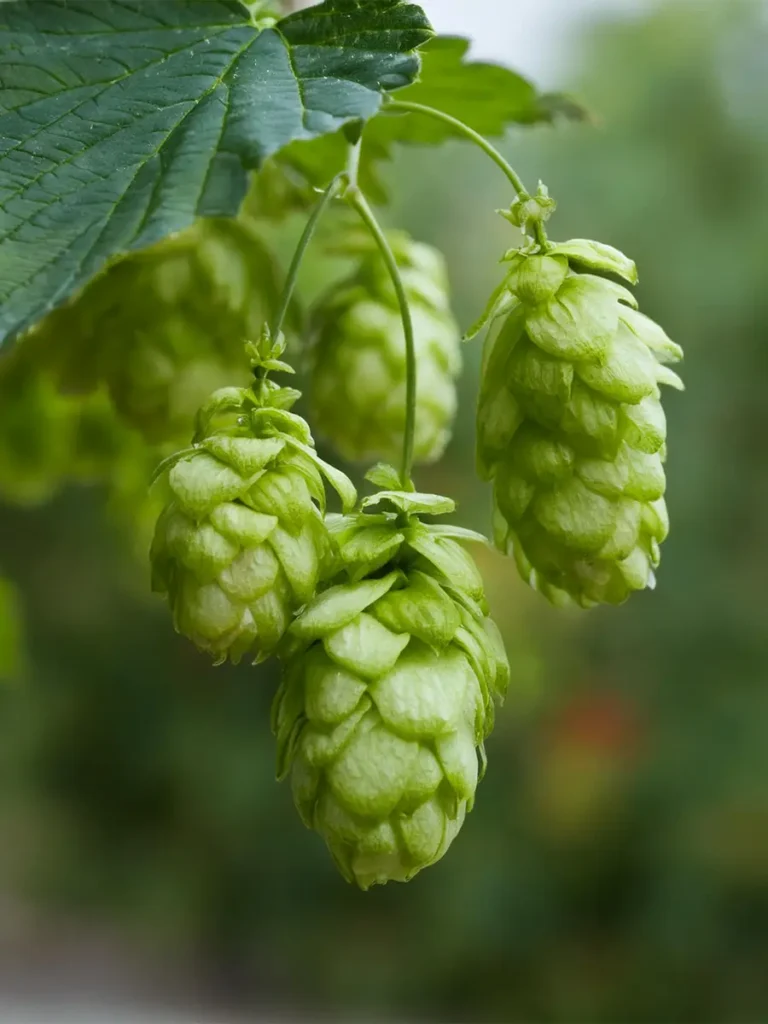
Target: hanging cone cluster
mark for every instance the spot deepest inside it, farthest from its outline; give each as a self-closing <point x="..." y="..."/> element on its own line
<point x="570" y="424"/>
<point x="164" y="327"/>
<point x="241" y="544"/>
<point x="388" y="692"/>
<point x="358" y="395"/>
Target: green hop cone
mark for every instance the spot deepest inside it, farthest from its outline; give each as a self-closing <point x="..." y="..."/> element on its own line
<point x="36" y="432"/>
<point x="388" y="692"/>
<point x="570" y="424"/>
<point x="48" y="438"/>
<point x="358" y="392"/>
<point x="242" y="541"/>
<point x="164" y="327"/>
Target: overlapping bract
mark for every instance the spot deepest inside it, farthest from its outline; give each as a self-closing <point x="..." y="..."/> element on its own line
<point x="358" y="395"/>
<point x="241" y="544"/>
<point x="164" y="327"/>
<point x="388" y="694"/>
<point x="570" y="424"/>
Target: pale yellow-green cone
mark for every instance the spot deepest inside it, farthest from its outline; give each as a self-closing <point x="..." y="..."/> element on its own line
<point x="241" y="544"/>
<point x="164" y="327"/>
<point x="388" y="693"/>
<point x="570" y="424"/>
<point x="358" y="366"/>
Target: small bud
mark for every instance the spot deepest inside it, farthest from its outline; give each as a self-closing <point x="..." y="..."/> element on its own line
<point x="527" y="211"/>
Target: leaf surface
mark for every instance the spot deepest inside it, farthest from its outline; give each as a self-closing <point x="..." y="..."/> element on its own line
<point x="120" y="122"/>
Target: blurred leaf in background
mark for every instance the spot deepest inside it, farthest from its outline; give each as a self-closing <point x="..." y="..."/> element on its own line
<point x="11" y="644"/>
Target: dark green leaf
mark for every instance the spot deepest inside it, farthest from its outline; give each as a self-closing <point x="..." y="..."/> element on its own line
<point x="120" y="122"/>
<point x="487" y="97"/>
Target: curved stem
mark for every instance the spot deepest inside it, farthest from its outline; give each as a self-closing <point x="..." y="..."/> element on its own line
<point x="293" y="272"/>
<point x="360" y="203"/>
<point x="470" y="133"/>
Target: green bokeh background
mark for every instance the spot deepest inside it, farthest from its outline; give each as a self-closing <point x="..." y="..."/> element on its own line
<point x="615" y="868"/>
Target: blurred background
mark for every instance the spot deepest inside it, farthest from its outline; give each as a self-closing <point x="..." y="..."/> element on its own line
<point x="615" y="868"/>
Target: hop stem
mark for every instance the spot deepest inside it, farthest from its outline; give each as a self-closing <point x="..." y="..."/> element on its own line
<point x="290" y="284"/>
<point x="359" y="202"/>
<point x="353" y="162"/>
<point x="439" y="115"/>
<point x="470" y="133"/>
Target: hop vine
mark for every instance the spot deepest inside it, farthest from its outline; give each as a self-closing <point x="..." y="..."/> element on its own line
<point x="391" y="666"/>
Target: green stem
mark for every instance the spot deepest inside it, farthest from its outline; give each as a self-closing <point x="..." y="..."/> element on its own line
<point x="353" y="162"/>
<point x="470" y="133"/>
<point x="540" y="235"/>
<point x="293" y="272"/>
<point x="360" y="203"/>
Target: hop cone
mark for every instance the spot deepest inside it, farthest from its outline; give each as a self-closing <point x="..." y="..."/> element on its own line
<point x="241" y="543"/>
<point x="570" y="424"/>
<point x="359" y="367"/>
<point x="388" y="694"/>
<point x="46" y="437"/>
<point x="164" y="327"/>
<point x="35" y="433"/>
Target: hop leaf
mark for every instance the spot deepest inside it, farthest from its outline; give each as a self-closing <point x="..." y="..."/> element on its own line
<point x="241" y="544"/>
<point x="166" y="326"/>
<point x="570" y="424"/>
<point x="358" y="362"/>
<point x="388" y="694"/>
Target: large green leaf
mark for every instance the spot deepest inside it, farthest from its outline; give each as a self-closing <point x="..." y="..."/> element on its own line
<point x="122" y="121"/>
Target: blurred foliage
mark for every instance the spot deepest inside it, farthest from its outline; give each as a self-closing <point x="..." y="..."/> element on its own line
<point x="163" y="327"/>
<point x="615" y="868"/>
<point x="109" y="384"/>
<point x="11" y="658"/>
